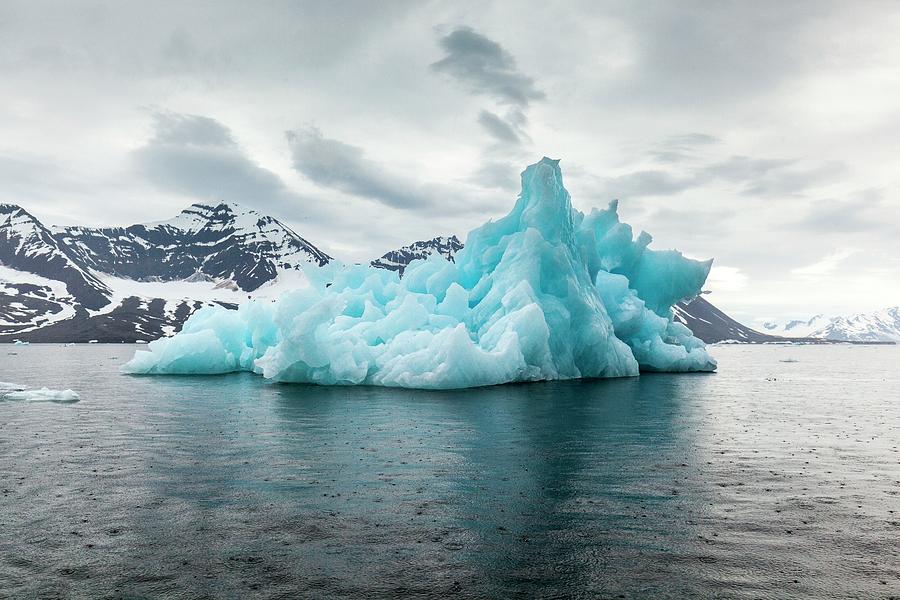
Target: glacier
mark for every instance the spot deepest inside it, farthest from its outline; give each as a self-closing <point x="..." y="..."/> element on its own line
<point x="546" y="292"/>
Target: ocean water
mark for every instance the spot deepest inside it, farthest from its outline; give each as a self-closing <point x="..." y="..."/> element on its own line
<point x="777" y="477"/>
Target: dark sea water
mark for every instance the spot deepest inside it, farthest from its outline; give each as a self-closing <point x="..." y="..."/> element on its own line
<point x="777" y="477"/>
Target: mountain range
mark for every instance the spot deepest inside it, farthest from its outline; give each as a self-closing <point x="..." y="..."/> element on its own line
<point x="137" y="283"/>
<point x="877" y="326"/>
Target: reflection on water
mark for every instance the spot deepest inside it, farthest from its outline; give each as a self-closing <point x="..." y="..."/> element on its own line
<point x="770" y="479"/>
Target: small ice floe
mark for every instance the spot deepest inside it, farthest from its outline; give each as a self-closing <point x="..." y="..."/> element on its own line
<point x="41" y="395"/>
<point x="10" y="387"/>
<point x="20" y="343"/>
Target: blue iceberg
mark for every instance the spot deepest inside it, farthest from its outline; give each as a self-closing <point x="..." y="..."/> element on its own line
<point x="545" y="293"/>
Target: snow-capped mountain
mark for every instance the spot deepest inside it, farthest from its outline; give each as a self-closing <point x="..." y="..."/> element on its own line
<point x="27" y="246"/>
<point x="142" y="281"/>
<point x="796" y="327"/>
<point x="879" y="326"/>
<point x="222" y="242"/>
<point x="396" y="260"/>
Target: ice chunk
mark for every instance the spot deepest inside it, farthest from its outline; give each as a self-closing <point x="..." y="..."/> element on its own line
<point x="42" y="395"/>
<point x="10" y="387"/>
<point x="546" y="292"/>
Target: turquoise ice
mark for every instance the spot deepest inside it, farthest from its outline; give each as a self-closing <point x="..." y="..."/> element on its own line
<point x="546" y="292"/>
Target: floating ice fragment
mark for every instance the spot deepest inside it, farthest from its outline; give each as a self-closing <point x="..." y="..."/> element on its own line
<point x="546" y="292"/>
<point x="43" y="395"/>
<point x="10" y="387"/>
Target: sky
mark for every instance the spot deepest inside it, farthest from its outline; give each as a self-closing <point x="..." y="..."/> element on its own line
<point x="761" y="134"/>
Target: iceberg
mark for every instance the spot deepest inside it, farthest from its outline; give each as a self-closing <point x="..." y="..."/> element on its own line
<point x="546" y="292"/>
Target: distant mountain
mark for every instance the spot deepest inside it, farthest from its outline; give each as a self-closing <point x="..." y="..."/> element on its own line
<point x="397" y="260"/>
<point x="797" y="327"/>
<point x="223" y="242"/>
<point x="712" y="325"/>
<point x="878" y="326"/>
<point x="26" y="245"/>
<point x="141" y="282"/>
<point x="138" y="282"/>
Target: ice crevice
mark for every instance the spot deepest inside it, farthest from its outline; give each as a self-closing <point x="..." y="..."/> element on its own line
<point x="546" y="292"/>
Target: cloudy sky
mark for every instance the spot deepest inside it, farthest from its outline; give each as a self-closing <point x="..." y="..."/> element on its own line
<point x="762" y="134"/>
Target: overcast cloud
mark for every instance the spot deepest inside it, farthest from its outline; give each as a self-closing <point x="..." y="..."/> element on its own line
<point x="485" y="67"/>
<point x="197" y="157"/>
<point x="760" y="134"/>
<point x="334" y="164"/>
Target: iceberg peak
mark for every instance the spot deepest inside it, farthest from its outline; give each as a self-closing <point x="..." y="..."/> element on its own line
<point x="544" y="202"/>
<point x="543" y="293"/>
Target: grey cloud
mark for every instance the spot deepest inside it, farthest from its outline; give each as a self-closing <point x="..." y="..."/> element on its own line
<point x="863" y="212"/>
<point x="194" y="130"/>
<point x="332" y="163"/>
<point x="498" y="128"/>
<point x="485" y="67"/>
<point x="343" y="167"/>
<point x="197" y="156"/>
<point x="759" y="177"/>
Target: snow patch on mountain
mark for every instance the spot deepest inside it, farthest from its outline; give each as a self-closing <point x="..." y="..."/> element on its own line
<point x="29" y="301"/>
